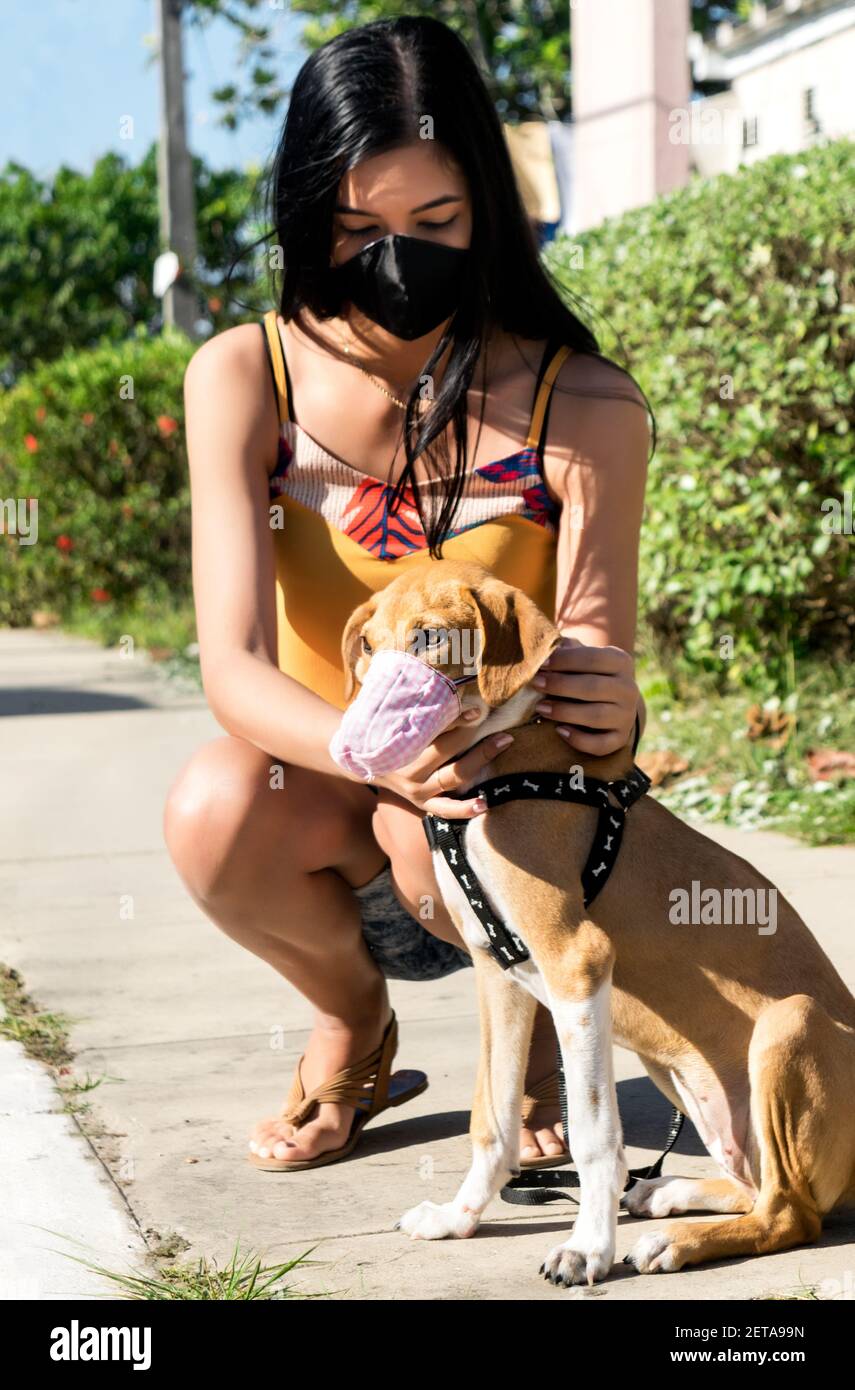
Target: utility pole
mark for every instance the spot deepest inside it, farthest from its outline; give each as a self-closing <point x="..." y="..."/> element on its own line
<point x="175" y="171"/>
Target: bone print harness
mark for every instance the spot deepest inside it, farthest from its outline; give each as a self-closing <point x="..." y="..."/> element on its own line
<point x="540" y="1185"/>
<point x="612" y="800"/>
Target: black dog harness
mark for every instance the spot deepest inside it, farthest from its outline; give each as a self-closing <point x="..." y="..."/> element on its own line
<point x="612" y="801"/>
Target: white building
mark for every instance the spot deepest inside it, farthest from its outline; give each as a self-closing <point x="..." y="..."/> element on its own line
<point x="778" y="82"/>
<point x="787" y="78"/>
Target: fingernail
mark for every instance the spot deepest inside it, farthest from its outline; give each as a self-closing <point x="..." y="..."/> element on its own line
<point x="565" y="733"/>
<point x="544" y="707"/>
<point x="471" y="714"/>
<point x="539" y="681"/>
<point x="479" y="804"/>
<point x="503" y="740"/>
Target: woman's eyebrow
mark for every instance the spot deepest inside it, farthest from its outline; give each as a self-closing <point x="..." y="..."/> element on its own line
<point x="423" y="207"/>
<point x="437" y="202"/>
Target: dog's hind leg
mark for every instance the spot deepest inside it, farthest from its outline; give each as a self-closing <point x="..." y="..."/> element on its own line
<point x="507" y="1015"/>
<point x="802" y="1072"/>
<point x="672" y="1196"/>
<point x="578" y="981"/>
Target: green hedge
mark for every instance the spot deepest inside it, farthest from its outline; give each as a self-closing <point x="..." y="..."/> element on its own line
<point x="98" y="439"/>
<point x="747" y="276"/>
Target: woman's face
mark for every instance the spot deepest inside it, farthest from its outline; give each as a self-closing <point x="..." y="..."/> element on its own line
<point x="417" y="190"/>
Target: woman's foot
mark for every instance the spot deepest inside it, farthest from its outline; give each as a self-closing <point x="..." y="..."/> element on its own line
<point x="545" y="1137"/>
<point x="329" y="1050"/>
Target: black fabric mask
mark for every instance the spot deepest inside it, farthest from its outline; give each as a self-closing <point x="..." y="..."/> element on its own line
<point x="405" y="284"/>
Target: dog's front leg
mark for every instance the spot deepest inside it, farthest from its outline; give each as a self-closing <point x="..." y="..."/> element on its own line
<point x="507" y="1016"/>
<point x="580" y="1000"/>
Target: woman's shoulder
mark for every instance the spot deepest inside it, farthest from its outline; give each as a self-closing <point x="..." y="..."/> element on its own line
<point x="582" y="374"/>
<point x="596" y="406"/>
<point x="236" y="354"/>
<point x="229" y="394"/>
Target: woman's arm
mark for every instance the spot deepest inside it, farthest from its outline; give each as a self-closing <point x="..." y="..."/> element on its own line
<point x="232" y="432"/>
<point x="597" y="464"/>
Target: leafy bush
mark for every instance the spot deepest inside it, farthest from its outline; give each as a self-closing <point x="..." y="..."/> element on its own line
<point x="734" y="302"/>
<point x="97" y="439"/>
<point x="77" y="253"/>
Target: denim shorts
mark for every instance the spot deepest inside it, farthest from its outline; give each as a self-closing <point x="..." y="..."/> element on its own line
<point x="401" y="946"/>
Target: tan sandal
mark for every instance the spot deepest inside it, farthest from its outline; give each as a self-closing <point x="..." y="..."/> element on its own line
<point x="367" y="1085"/>
<point x="543" y="1092"/>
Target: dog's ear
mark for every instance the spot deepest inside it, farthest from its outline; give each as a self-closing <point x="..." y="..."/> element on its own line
<point x="516" y="638"/>
<point x="351" y="640"/>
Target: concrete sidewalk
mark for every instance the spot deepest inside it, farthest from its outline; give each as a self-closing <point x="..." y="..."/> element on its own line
<point x="197" y="1039"/>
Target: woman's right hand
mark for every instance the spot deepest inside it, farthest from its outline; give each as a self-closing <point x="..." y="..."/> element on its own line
<point x="427" y="781"/>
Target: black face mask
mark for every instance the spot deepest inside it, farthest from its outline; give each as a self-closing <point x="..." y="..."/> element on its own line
<point x="403" y="283"/>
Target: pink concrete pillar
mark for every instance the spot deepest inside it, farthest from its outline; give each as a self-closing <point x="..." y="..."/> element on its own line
<point x="630" y="72"/>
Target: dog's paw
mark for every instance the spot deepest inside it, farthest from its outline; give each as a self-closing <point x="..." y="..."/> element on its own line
<point x="655" y="1253"/>
<point x="565" y="1265"/>
<point x="432" y="1221"/>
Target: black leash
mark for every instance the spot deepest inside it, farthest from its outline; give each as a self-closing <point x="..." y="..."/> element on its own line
<point x="536" y="1186"/>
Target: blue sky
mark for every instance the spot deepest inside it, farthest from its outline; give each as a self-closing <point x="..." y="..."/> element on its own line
<point x="71" y="69"/>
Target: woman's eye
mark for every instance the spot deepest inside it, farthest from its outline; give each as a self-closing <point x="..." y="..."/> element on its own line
<point x="367" y="648"/>
<point x="358" y="231"/>
<point x="437" y="226"/>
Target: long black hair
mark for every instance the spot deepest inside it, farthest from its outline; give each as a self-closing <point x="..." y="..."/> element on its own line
<point x="364" y="93"/>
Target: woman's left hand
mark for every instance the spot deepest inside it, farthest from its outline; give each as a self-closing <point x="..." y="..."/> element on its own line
<point x="592" y="695"/>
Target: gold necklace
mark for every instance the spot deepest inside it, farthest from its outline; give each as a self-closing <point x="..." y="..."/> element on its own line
<point x="402" y="405"/>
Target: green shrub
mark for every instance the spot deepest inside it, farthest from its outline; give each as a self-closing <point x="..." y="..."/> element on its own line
<point x="733" y="300"/>
<point x="97" y="438"/>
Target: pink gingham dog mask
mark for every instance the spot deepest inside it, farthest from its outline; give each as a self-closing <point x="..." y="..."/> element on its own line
<point x="403" y="705"/>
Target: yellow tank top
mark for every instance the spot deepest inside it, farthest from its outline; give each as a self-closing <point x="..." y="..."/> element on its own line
<point x="336" y="541"/>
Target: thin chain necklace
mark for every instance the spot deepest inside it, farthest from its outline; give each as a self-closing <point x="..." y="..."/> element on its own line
<point x="423" y="404"/>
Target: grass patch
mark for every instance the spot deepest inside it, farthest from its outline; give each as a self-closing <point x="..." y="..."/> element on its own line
<point x="242" y="1279"/>
<point x="157" y="625"/>
<point x="748" y="764"/>
<point x="42" y="1034"/>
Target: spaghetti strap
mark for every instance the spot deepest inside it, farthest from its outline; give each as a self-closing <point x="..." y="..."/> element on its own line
<point x="537" y="428"/>
<point x="278" y="367"/>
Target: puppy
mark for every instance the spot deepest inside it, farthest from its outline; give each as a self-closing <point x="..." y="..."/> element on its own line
<point x="748" y="1030"/>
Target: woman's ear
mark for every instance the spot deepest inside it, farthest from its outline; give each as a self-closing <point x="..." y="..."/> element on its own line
<point x="351" y="640"/>
<point x="515" y="640"/>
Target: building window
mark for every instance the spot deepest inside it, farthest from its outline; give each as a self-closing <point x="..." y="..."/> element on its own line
<point x="749" y="132"/>
<point x="811" y="118"/>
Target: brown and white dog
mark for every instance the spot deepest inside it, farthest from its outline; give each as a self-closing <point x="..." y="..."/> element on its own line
<point x="750" y="1033"/>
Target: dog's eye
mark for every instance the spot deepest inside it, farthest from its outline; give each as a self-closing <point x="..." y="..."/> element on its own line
<point x="367" y="648"/>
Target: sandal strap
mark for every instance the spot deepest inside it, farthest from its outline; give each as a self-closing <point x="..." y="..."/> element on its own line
<point x="543" y="1092"/>
<point x="364" y="1084"/>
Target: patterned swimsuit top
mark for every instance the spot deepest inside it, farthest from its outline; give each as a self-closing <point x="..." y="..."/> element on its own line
<point x="336" y="540"/>
<point x="358" y="504"/>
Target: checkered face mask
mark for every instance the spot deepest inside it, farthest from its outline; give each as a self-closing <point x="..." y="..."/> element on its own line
<point x="402" y="707"/>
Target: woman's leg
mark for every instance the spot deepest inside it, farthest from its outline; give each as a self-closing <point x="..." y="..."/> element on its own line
<point x="398" y="831"/>
<point x="275" y="869"/>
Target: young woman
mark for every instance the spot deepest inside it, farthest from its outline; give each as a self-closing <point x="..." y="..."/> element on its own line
<point x="394" y="411"/>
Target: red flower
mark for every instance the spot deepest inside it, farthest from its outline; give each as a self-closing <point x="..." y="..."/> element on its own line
<point x="215" y="304"/>
<point x="88" y="418"/>
<point x="100" y="595"/>
<point x="31" y="444"/>
<point x="166" y="425"/>
<point x="41" y="412"/>
<point x="64" y="543"/>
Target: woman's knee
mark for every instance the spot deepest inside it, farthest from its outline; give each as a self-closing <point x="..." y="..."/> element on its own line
<point x="399" y="833"/>
<point x="233" y="810"/>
